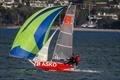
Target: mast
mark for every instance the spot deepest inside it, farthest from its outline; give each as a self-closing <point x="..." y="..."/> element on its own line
<point x="64" y="45"/>
<point x="89" y="16"/>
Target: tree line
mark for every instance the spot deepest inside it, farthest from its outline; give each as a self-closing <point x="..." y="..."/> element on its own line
<point x="17" y="15"/>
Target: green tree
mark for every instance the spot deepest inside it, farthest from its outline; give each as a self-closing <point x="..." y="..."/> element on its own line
<point x="105" y="23"/>
<point x="2" y="10"/>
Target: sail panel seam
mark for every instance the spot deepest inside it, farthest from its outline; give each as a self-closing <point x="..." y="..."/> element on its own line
<point x="64" y="45"/>
<point x="66" y="33"/>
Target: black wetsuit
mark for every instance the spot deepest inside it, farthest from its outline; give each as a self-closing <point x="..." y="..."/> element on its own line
<point x="71" y="61"/>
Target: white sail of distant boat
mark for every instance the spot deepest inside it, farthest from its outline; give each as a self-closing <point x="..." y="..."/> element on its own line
<point x="63" y="49"/>
<point x="43" y="53"/>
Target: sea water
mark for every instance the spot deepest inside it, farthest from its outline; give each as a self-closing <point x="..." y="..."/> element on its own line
<point x="99" y="52"/>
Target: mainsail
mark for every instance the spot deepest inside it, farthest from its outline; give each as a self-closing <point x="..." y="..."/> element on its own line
<point x="63" y="49"/>
<point x="34" y="33"/>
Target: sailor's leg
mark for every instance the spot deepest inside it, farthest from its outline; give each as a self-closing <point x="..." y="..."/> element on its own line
<point x="76" y="64"/>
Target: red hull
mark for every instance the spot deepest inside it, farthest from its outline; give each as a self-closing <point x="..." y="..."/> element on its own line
<point x="56" y="66"/>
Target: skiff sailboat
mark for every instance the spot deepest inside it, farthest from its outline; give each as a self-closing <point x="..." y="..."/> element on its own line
<point x="31" y="41"/>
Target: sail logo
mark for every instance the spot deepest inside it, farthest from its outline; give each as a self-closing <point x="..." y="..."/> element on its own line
<point x="68" y="20"/>
<point x="46" y="64"/>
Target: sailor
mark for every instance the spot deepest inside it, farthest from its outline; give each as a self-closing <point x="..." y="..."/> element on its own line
<point x="73" y="60"/>
<point x="77" y="60"/>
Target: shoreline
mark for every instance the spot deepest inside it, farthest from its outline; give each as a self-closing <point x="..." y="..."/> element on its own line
<point x="97" y="30"/>
<point x="75" y="29"/>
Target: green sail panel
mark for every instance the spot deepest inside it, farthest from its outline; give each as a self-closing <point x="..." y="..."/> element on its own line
<point x="33" y="34"/>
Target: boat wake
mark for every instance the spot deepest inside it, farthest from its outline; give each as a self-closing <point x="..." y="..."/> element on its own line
<point x="79" y="70"/>
<point x="90" y="71"/>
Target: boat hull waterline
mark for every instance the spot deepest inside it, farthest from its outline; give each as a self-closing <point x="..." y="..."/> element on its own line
<point x="61" y="67"/>
<point x="54" y="66"/>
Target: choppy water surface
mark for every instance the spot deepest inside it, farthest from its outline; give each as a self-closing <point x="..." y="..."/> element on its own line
<point x="99" y="51"/>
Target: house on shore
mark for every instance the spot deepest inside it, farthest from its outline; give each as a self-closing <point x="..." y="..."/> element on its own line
<point x="33" y="3"/>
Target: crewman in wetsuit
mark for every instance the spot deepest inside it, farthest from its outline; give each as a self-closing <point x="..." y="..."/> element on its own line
<point x="77" y="60"/>
<point x="73" y="60"/>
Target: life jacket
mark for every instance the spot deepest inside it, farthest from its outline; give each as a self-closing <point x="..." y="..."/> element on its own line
<point x="77" y="59"/>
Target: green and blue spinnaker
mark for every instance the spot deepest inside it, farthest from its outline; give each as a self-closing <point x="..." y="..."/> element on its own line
<point x="33" y="34"/>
